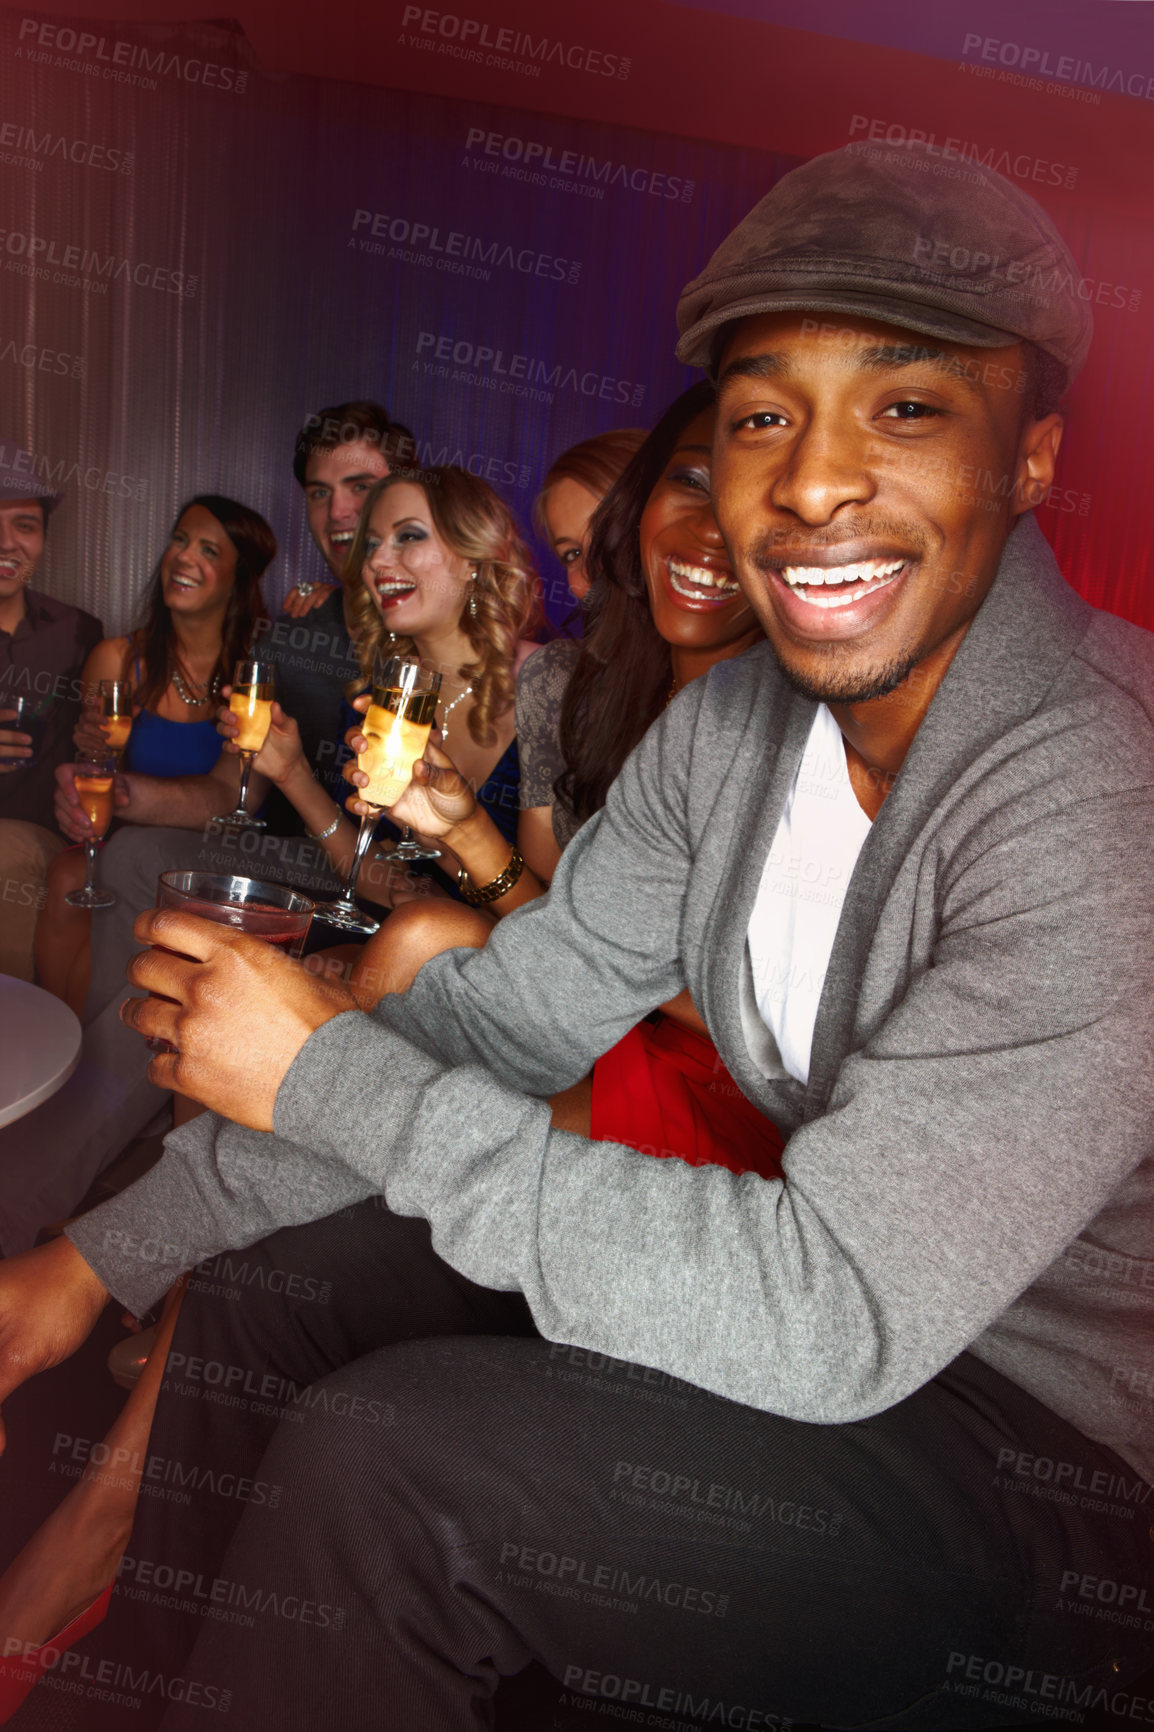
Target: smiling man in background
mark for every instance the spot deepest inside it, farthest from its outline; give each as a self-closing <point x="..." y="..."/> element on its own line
<point x="901" y="858"/>
<point x="44" y="644"/>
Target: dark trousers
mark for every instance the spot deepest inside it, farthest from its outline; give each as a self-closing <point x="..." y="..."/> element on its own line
<point x="445" y="1496"/>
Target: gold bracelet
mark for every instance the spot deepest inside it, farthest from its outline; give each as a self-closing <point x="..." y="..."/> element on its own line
<point x="498" y="886"/>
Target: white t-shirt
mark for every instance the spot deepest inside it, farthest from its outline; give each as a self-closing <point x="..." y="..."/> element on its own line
<point x="803" y="886"/>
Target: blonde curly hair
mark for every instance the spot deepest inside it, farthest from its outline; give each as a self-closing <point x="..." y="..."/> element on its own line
<point x="476" y="525"/>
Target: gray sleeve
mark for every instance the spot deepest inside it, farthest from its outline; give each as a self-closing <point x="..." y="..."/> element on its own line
<point x="991" y="1117"/>
<point x="540" y="692"/>
<point x="605" y="939"/>
<point x="994" y="1112"/>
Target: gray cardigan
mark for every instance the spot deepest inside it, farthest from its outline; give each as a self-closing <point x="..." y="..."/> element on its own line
<point x="970" y="1164"/>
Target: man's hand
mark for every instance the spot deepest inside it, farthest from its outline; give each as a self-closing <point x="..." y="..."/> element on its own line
<point x="297" y="605"/>
<point x="70" y="817"/>
<point x="49" y="1300"/>
<point x="13" y="745"/>
<point x="238" y="1011"/>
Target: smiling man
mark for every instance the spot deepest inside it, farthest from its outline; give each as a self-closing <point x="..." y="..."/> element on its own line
<point x="838" y="1447"/>
<point x="43" y="646"/>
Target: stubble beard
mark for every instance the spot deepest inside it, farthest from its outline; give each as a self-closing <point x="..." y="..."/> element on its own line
<point x="838" y="684"/>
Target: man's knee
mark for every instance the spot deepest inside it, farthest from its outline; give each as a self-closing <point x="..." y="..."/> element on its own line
<point x="26" y="847"/>
<point x="26" y="855"/>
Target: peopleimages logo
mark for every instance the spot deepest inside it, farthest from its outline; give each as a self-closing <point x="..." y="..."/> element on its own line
<point x="32" y="255"/>
<point x="501" y="47"/>
<point x="526" y="159"/>
<point x="464" y="363"/>
<point x="452" y="250"/>
<point x="1018" y="165"/>
<point x="1025" y="279"/>
<point x="37" y="358"/>
<point x="1064" y="68"/>
<point x="24" y="147"/>
<point x="118" y="61"/>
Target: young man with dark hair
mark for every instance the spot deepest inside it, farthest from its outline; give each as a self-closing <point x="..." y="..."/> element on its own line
<point x="339" y="453"/>
<point x="44" y="644"/>
<point x="839" y="1447"/>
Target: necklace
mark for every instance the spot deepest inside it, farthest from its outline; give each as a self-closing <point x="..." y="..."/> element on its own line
<point x="449" y="708"/>
<point x="673" y="688"/>
<point x="210" y="689"/>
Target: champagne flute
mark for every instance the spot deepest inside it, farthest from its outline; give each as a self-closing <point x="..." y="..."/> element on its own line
<point x="93" y="777"/>
<point x="396" y="726"/>
<point x="115" y="698"/>
<point x="251" y="704"/>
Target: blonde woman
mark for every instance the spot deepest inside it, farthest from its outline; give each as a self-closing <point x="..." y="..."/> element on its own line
<point x="438" y="569"/>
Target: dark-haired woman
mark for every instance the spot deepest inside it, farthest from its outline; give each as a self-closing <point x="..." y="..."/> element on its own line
<point x="663" y="609"/>
<point x="199" y="616"/>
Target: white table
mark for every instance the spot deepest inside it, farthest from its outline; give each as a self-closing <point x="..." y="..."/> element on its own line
<point x="39" y="1046"/>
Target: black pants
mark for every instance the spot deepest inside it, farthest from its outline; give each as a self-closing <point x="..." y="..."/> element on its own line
<point x="435" y="1509"/>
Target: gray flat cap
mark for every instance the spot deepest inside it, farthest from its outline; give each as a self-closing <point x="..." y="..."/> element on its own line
<point x="902" y="234"/>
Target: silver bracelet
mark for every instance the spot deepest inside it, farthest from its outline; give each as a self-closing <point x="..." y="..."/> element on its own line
<point x="320" y="835"/>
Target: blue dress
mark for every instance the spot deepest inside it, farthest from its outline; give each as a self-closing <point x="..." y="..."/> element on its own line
<point x="501" y="794"/>
<point x="158" y="747"/>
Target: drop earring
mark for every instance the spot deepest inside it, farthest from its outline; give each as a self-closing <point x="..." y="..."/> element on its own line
<point x="473" y="595"/>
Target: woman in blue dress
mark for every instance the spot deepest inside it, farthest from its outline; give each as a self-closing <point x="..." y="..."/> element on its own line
<point x="198" y="617"/>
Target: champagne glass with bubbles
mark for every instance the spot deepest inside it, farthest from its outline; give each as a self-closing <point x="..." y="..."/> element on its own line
<point x="251" y="704"/>
<point x="93" y="777"/>
<point x="396" y="726"/>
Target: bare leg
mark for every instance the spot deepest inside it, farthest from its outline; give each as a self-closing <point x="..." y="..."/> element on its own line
<point x="74" y="1555"/>
<point x="63" y="941"/>
<point x="573" y="1108"/>
<point x="409" y="937"/>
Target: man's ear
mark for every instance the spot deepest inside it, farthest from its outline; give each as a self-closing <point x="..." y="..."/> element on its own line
<point x="1037" y="460"/>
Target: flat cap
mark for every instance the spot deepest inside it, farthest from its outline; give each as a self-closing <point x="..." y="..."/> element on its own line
<point x="905" y="234"/>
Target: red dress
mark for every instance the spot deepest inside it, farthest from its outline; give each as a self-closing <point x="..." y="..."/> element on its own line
<point x="663" y="1090"/>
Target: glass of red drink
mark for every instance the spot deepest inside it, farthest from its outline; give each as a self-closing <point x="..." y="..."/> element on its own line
<point x="270" y="911"/>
